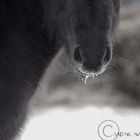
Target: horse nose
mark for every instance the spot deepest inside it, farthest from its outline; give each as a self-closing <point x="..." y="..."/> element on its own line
<point x="96" y="61"/>
<point x="78" y="55"/>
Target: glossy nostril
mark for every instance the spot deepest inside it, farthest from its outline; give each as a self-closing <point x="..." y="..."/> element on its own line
<point x="78" y="55"/>
<point x="107" y="56"/>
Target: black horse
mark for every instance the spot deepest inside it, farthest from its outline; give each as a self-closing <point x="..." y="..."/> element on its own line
<point x="31" y="34"/>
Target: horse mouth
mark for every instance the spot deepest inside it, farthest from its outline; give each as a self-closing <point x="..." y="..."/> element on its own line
<point x="87" y="74"/>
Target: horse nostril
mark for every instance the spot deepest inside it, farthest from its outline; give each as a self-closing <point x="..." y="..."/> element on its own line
<point x="92" y="61"/>
<point x="107" y="56"/>
<point x="78" y="55"/>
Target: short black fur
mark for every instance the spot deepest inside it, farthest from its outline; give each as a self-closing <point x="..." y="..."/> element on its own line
<point x="31" y="33"/>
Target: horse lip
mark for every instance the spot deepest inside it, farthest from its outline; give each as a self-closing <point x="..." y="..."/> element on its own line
<point x="84" y="73"/>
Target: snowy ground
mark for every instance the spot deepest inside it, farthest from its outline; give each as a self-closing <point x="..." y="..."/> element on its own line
<point x="76" y="111"/>
<point x="83" y="124"/>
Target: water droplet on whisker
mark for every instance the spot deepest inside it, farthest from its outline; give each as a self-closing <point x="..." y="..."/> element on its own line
<point x="86" y="78"/>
